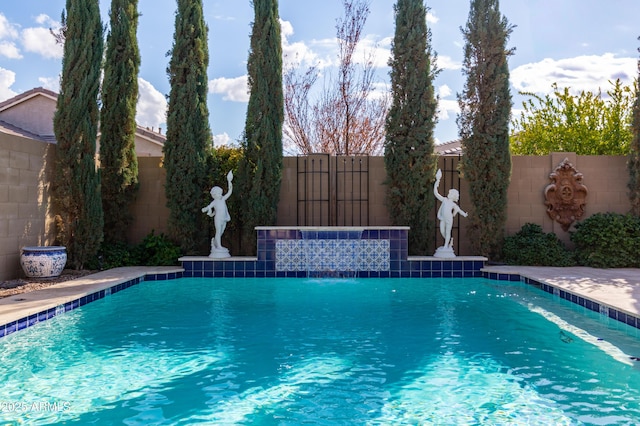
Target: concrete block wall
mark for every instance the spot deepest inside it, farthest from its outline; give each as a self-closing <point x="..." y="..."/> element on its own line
<point x="25" y="216"/>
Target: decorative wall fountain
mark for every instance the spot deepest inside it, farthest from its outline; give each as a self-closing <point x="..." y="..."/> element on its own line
<point x="566" y="196"/>
<point x="333" y="251"/>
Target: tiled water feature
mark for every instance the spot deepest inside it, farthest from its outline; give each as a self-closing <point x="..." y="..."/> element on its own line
<point x="366" y="252"/>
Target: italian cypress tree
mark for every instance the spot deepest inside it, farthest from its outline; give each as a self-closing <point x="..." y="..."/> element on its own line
<point x="485" y="109"/>
<point x="634" y="157"/>
<point x="188" y="132"/>
<point x="409" y="144"/>
<point x="76" y="181"/>
<point x="118" y="158"/>
<point x="261" y="167"/>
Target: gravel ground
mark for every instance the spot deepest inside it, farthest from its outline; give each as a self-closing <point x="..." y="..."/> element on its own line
<point x="25" y="285"/>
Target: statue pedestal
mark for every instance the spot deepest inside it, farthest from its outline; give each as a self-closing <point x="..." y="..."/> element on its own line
<point x="219" y="253"/>
<point x="444" y="252"/>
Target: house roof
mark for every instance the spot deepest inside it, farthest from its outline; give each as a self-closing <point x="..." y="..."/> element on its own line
<point x="10" y="129"/>
<point x="38" y="91"/>
<point x="449" y="148"/>
<point x="150" y="135"/>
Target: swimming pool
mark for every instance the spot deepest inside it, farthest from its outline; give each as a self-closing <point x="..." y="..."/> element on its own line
<point x="323" y="351"/>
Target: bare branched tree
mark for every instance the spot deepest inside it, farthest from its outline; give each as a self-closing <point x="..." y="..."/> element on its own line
<point x="59" y="33"/>
<point x="346" y="117"/>
<point x="298" y="129"/>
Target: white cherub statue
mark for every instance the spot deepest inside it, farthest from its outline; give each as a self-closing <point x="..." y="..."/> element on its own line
<point x="447" y="211"/>
<point x="218" y="210"/>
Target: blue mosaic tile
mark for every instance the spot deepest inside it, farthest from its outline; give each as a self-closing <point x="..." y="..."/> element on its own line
<point x="10" y="328"/>
<point x="331" y="255"/>
<point x="32" y="320"/>
<point x="22" y="323"/>
<point x="573" y="298"/>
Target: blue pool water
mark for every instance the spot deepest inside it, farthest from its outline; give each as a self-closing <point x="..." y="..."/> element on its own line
<point x="305" y="351"/>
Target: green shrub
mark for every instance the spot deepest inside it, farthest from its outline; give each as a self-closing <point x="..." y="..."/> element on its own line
<point x="154" y="250"/>
<point x="157" y="250"/>
<point x="608" y="240"/>
<point x="112" y="255"/>
<point x="530" y="246"/>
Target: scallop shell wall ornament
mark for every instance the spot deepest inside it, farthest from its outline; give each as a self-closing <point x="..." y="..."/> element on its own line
<point x="566" y="196"/>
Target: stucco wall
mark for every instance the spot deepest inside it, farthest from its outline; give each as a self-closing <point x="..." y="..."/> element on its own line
<point x="605" y="177"/>
<point x="34" y="114"/>
<point x="150" y="212"/>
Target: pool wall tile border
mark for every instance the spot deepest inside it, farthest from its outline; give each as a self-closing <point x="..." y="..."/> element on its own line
<point x="364" y="252"/>
<point x="44" y="315"/>
<point x="399" y="267"/>
<point x="592" y="305"/>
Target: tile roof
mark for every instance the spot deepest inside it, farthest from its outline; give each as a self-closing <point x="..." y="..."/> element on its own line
<point x="10" y="129"/>
<point x="6" y="104"/>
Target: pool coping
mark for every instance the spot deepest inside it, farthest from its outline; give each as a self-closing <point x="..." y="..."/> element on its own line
<point x="27" y="309"/>
<point x="614" y="293"/>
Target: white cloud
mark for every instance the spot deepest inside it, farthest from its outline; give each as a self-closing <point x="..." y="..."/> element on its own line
<point x="432" y="18"/>
<point x="379" y="90"/>
<point x="445" y="62"/>
<point x="447" y="108"/>
<point x="9" y="50"/>
<point x="376" y="51"/>
<point x="298" y="54"/>
<point x="581" y="73"/>
<point x="444" y="91"/>
<point x="40" y="40"/>
<point x="223" y="139"/>
<point x="286" y="29"/>
<point x="8" y="33"/>
<point x="7" y="78"/>
<point x="232" y="89"/>
<point x="51" y="83"/>
<point x="46" y="20"/>
<point x="323" y="53"/>
<point x="151" y="110"/>
<point x="7" y="29"/>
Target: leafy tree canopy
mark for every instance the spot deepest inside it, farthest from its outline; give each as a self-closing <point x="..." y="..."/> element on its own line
<point x="587" y="123"/>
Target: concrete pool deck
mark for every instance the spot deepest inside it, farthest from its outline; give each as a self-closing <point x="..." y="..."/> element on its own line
<point x="13" y="308"/>
<point x="615" y="288"/>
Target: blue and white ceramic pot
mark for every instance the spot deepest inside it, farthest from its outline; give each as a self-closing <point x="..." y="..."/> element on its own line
<point x="43" y="261"/>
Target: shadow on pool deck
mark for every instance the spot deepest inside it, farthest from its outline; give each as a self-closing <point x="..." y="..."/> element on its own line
<point x="616" y="288"/>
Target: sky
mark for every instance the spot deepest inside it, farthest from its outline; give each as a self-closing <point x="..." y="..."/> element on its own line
<point x="580" y="44"/>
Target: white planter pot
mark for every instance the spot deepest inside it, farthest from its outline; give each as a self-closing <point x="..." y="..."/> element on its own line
<point x="43" y="261"/>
